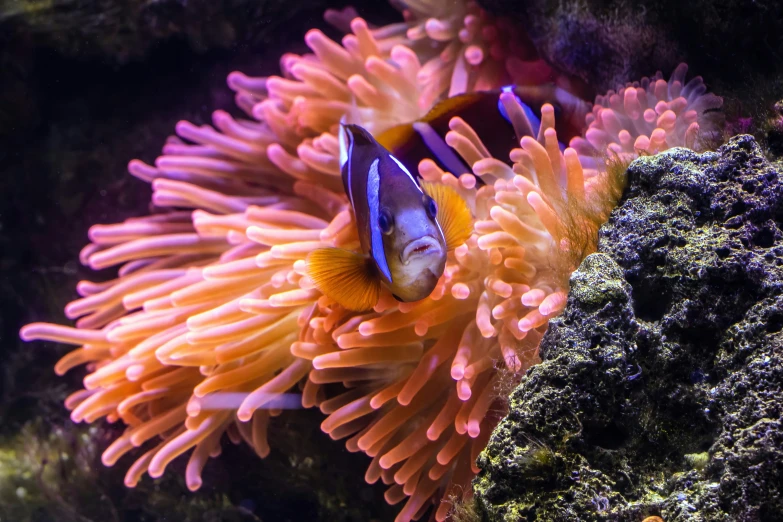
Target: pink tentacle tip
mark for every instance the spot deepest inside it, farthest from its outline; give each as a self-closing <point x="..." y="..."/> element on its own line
<point x="194" y="482"/>
<point x="28" y="332"/>
<point x="358" y="25"/>
<point x="234" y="80"/>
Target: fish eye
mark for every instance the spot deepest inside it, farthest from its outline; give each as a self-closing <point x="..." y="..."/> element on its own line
<point x="385" y="222"/>
<point x="431" y="206"/>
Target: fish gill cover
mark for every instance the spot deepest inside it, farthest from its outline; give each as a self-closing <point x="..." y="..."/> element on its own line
<point x="212" y="327"/>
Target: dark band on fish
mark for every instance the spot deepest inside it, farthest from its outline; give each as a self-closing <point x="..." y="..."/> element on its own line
<point x="443" y="155"/>
<point x="501" y="117"/>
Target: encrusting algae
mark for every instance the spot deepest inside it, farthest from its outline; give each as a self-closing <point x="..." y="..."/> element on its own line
<point x="214" y="326"/>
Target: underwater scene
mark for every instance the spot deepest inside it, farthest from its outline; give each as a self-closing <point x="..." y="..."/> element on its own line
<point x="386" y="261"/>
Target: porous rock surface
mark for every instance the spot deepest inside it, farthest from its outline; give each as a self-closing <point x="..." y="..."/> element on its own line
<point x="661" y="386"/>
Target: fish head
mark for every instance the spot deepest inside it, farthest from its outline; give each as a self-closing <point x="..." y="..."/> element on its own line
<point x="414" y="245"/>
<point x="405" y="227"/>
<point x="397" y="221"/>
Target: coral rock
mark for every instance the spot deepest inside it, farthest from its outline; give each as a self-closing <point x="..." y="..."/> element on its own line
<point x="661" y="387"/>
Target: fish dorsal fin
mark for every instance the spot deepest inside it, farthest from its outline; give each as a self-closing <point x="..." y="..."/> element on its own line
<point x="394" y="137"/>
<point x="453" y="213"/>
<point x="347" y="277"/>
<point x="449" y="105"/>
<point x="361" y="136"/>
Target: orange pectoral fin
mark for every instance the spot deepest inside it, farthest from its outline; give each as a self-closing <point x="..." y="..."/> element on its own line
<point x="347" y="277"/>
<point x="453" y="213"/>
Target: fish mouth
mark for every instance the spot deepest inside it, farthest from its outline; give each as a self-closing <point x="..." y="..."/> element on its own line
<point x="421" y="247"/>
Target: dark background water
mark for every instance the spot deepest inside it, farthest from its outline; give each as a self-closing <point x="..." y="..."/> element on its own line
<point x="81" y="93"/>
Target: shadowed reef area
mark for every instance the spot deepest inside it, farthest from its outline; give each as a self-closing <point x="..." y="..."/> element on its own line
<point x="661" y="386"/>
<point x="728" y="41"/>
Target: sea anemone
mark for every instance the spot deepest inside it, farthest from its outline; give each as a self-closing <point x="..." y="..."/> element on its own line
<point x="650" y="116"/>
<point x="422" y="379"/>
<point x="461" y="48"/>
<point x="213" y="320"/>
<point x="210" y="295"/>
<point x="208" y="300"/>
<point x="392" y="74"/>
<point x="192" y="323"/>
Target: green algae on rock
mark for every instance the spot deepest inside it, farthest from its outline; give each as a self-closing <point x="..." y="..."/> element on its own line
<point x="661" y="386"/>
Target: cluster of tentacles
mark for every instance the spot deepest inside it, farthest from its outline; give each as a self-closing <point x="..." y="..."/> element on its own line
<point x="212" y="326"/>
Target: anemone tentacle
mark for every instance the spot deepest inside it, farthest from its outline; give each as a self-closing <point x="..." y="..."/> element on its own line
<point x="650" y="116"/>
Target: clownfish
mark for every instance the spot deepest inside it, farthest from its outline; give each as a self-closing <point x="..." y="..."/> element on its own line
<point x="406" y="227"/>
<point x="486" y="113"/>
